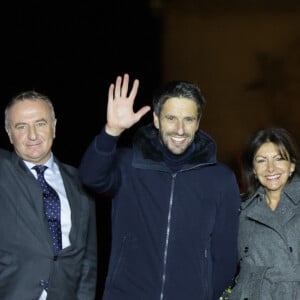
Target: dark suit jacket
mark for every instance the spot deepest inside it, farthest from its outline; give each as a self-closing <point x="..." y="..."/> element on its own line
<point x="27" y="259"/>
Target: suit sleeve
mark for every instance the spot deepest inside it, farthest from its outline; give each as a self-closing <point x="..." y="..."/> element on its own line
<point x="88" y="282"/>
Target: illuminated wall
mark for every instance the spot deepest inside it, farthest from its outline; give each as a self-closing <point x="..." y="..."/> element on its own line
<point x="245" y="59"/>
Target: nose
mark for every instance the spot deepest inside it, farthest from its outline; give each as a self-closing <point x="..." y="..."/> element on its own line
<point x="270" y="166"/>
<point x="32" y="133"/>
<point x="180" y="127"/>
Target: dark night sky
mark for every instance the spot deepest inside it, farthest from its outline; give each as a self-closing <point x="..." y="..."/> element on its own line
<point x="72" y="53"/>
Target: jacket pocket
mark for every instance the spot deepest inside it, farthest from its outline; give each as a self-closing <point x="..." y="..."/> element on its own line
<point x="119" y="260"/>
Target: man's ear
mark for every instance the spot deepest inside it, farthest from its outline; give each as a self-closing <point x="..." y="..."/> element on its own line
<point x="54" y="127"/>
<point x="198" y="126"/>
<point x="8" y="131"/>
<point x="155" y="120"/>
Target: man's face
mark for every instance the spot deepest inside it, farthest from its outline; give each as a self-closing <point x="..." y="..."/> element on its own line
<point x="31" y="130"/>
<point x="177" y="124"/>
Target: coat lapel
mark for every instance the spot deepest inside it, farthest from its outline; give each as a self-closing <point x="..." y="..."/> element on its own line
<point x="31" y="207"/>
<point x="73" y="193"/>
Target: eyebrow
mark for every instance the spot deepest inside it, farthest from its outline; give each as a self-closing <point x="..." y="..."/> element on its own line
<point x="37" y="121"/>
<point x="175" y="116"/>
<point x="263" y="156"/>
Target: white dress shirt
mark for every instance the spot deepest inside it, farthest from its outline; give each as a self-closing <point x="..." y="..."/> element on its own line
<point x="53" y="177"/>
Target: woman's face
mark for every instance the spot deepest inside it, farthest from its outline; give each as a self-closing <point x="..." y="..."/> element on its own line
<point x="272" y="170"/>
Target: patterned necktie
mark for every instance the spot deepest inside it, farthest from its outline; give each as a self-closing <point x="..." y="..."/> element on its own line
<point x="51" y="208"/>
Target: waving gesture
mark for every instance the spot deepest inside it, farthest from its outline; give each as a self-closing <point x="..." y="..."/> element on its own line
<point x="120" y="114"/>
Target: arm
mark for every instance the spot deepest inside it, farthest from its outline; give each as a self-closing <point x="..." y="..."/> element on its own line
<point x="96" y="167"/>
<point x="224" y="240"/>
<point x="88" y="282"/>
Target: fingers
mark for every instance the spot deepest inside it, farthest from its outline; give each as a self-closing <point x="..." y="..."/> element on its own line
<point x="120" y="88"/>
<point x="141" y="112"/>
<point x="125" y="86"/>
<point x="111" y="92"/>
<point x="134" y="89"/>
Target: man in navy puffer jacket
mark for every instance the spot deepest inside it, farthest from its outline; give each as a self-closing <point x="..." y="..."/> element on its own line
<point x="175" y="208"/>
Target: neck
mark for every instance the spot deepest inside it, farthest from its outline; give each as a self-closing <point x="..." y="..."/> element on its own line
<point x="272" y="199"/>
<point x="175" y="161"/>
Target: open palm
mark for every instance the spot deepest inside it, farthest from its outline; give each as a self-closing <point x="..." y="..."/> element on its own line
<point x="120" y="114"/>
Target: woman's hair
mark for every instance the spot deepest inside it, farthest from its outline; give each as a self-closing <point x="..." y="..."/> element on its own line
<point x="178" y="89"/>
<point x="278" y="136"/>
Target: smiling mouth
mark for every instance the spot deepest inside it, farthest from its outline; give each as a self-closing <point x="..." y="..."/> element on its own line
<point x="34" y="145"/>
<point x="272" y="177"/>
<point x="178" y="140"/>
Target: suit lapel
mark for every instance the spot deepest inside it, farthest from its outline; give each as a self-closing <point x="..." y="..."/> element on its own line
<point x="31" y="207"/>
<point x="73" y="193"/>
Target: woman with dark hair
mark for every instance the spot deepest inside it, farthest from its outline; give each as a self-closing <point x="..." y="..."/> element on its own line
<point x="269" y="233"/>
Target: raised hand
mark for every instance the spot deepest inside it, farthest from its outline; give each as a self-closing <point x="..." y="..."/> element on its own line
<point x="120" y="114"/>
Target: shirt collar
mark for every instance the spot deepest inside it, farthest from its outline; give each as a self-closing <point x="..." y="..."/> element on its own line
<point x="49" y="163"/>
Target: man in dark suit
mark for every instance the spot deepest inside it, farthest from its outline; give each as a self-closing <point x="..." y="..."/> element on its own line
<point x="31" y="268"/>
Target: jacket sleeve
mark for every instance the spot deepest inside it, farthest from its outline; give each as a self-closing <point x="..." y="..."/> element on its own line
<point x="96" y="169"/>
<point x="224" y="239"/>
<point x="88" y="280"/>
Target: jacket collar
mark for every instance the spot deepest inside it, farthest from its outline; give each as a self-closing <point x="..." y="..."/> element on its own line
<point x="292" y="190"/>
<point x="148" y="151"/>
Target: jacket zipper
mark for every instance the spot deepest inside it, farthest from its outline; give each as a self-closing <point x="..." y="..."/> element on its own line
<point x="163" y="280"/>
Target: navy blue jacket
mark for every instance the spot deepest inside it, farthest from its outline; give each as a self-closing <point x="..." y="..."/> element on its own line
<point x="174" y="234"/>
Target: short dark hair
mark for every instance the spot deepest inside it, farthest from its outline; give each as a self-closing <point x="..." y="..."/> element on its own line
<point x="278" y="136"/>
<point x="178" y="89"/>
